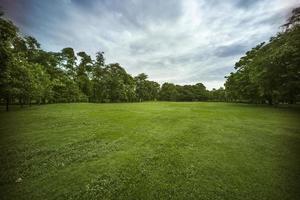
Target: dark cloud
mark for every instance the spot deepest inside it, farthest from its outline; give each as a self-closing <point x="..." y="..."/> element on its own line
<point x="246" y="4"/>
<point x="231" y="50"/>
<point x="134" y="13"/>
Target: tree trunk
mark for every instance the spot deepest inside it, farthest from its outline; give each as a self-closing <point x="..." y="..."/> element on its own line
<point x="7" y="103"/>
<point x="270" y="101"/>
<point x="21" y="102"/>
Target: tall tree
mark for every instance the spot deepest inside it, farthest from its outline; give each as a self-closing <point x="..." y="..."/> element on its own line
<point x="270" y="72"/>
<point x="84" y="74"/>
<point x="168" y="92"/>
<point x="118" y="85"/>
<point x="146" y="90"/>
<point x="68" y="59"/>
<point x="98" y="78"/>
<point x="8" y="34"/>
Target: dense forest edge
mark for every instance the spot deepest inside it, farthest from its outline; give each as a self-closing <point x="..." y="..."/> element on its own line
<point x="268" y="74"/>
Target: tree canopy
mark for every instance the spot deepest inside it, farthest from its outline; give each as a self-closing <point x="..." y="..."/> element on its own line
<point x="270" y="72"/>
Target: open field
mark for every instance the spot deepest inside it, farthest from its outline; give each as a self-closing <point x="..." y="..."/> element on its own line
<point x="156" y="150"/>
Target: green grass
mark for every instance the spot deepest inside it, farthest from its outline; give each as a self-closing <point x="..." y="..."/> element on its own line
<point x="150" y="151"/>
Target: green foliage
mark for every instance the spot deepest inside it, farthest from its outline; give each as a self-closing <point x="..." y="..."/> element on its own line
<point x="146" y="90"/>
<point x="8" y="34"/>
<point x="218" y="94"/>
<point x="118" y="85"/>
<point x="168" y="92"/>
<point x="270" y="72"/>
<point x="171" y="92"/>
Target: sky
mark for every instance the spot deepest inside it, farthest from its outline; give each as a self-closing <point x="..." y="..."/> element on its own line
<point x="177" y="41"/>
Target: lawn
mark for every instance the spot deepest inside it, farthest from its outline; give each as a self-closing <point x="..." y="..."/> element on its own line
<point x="156" y="150"/>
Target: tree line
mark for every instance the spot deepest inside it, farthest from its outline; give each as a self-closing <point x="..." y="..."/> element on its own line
<point x="28" y="74"/>
<point x="269" y="72"/>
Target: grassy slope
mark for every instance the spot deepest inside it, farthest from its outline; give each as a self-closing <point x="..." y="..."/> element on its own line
<point x="150" y="151"/>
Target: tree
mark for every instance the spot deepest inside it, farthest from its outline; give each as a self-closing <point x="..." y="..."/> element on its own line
<point x="168" y="92"/>
<point x="218" y="94"/>
<point x="118" y="85"/>
<point x="68" y="59"/>
<point x="84" y="74"/>
<point x="8" y="34"/>
<point x="146" y="90"/>
<point x="98" y="78"/>
<point x="270" y="72"/>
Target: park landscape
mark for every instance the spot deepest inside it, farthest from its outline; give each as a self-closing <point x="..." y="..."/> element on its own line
<point x="73" y="126"/>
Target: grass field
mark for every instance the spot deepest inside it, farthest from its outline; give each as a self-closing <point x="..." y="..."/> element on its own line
<point x="150" y="151"/>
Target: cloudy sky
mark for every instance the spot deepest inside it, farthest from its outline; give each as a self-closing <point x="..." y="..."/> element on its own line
<point x="179" y="41"/>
